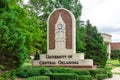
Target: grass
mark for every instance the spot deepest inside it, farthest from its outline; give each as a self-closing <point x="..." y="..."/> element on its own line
<point x="28" y="62"/>
<point x="113" y="64"/>
<point x="117" y="73"/>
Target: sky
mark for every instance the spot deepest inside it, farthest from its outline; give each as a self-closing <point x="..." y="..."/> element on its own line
<point x="104" y="14"/>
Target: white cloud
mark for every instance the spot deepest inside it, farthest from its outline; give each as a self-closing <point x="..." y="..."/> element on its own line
<point x="105" y="14"/>
<point x="26" y="1"/>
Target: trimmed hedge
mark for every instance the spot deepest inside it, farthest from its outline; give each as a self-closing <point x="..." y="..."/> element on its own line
<point x="38" y="78"/>
<point x="109" y="74"/>
<point x="62" y="76"/>
<point x="26" y="72"/>
<point x="82" y="72"/>
<point x="101" y="76"/>
<point x="85" y="77"/>
<point x="61" y="70"/>
<point x="69" y="70"/>
<point x="97" y="71"/>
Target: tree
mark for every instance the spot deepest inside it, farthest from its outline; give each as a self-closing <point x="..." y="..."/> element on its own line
<point x="44" y="7"/>
<point x="80" y="43"/>
<point x="20" y="33"/>
<point x="33" y="32"/>
<point x="95" y="49"/>
<point x="12" y="41"/>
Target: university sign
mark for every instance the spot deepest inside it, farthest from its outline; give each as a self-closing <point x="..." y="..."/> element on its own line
<point x="61" y="42"/>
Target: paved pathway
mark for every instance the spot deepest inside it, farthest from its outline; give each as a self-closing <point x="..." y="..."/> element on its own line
<point x="116" y="70"/>
<point x="115" y="76"/>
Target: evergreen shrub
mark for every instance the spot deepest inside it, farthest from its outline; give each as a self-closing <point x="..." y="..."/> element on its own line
<point x="115" y="54"/>
<point x="38" y="78"/>
<point x="82" y="72"/>
<point x="37" y="56"/>
<point x="25" y="72"/>
<point x="85" y="77"/>
<point x="109" y="74"/>
<point x="61" y="70"/>
<point x="97" y="71"/>
<point x="69" y="70"/>
<point x="101" y="76"/>
<point x="62" y="76"/>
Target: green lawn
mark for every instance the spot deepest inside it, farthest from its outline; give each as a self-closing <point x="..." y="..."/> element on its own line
<point x="28" y="62"/>
<point x="113" y="63"/>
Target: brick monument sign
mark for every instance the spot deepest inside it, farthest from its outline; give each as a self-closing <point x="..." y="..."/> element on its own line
<point x="61" y="32"/>
<point x="61" y="42"/>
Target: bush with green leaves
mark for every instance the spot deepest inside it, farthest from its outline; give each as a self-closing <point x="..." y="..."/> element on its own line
<point x="69" y="70"/>
<point x="108" y="68"/>
<point x="101" y="76"/>
<point x="38" y="78"/>
<point x="85" y="77"/>
<point x="109" y="74"/>
<point x="81" y="72"/>
<point x="56" y="72"/>
<point x="62" y="76"/>
<point x="115" y="54"/>
<point x="97" y="71"/>
<point x="61" y="70"/>
<point x="20" y="33"/>
<point x="9" y="75"/>
<point x="25" y="72"/>
<point x="37" y="56"/>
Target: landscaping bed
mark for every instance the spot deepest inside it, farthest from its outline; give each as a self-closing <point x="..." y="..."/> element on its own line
<point x="33" y="73"/>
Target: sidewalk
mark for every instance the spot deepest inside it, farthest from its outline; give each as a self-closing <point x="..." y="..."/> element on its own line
<point x="115" y="76"/>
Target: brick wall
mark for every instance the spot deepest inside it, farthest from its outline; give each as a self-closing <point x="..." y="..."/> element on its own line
<point x="67" y="20"/>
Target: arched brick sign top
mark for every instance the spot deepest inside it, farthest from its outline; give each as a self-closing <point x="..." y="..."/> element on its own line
<point x="67" y="18"/>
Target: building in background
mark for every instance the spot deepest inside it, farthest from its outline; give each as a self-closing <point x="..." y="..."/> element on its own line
<point x="107" y="41"/>
<point x="115" y="46"/>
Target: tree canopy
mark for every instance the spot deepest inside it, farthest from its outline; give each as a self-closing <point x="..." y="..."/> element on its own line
<point x="20" y="33"/>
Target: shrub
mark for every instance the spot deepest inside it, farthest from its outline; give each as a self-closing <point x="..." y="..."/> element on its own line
<point x="82" y="72"/>
<point x="92" y="73"/>
<point x="101" y="71"/>
<point x="108" y="68"/>
<point x="109" y="74"/>
<point x="26" y="72"/>
<point x="101" y="76"/>
<point x="97" y="71"/>
<point x="9" y="75"/>
<point x="38" y="78"/>
<point x="61" y="70"/>
<point x="69" y="70"/>
<point x="36" y="56"/>
<point x="115" y="54"/>
<point x="85" y="77"/>
<point x="62" y="76"/>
